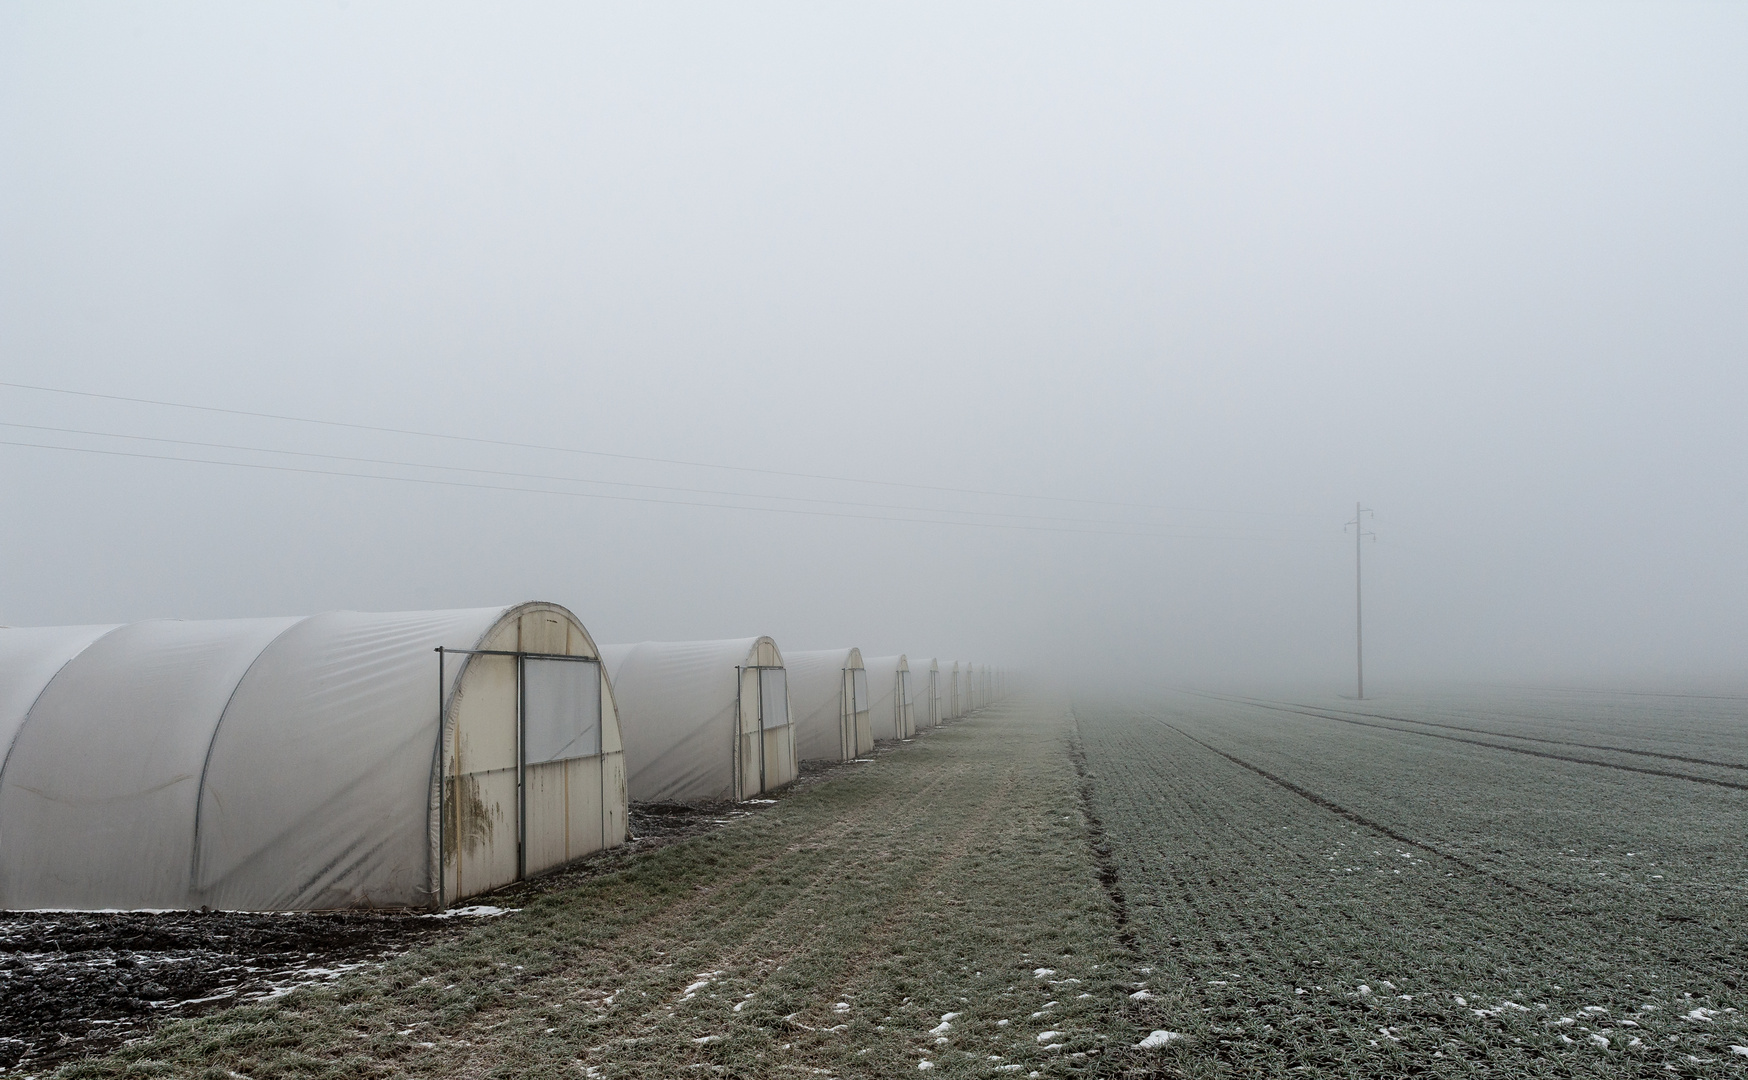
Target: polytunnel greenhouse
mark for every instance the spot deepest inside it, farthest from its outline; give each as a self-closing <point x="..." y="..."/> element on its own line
<point x="924" y="682"/>
<point x="703" y="721"/>
<point x="890" y="701"/>
<point x="343" y="760"/>
<point x="828" y="696"/>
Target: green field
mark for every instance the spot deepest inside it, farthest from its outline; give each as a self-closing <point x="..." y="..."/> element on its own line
<point x="1534" y="883"/>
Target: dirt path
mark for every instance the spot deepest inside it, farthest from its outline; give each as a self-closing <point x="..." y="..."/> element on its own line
<point x="936" y="910"/>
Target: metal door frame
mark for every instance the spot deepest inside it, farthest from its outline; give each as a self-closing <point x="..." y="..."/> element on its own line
<point x="521" y="751"/>
<point x="740" y="794"/>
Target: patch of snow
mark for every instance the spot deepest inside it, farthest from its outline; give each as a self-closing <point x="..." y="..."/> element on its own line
<point x="476" y="911"/>
<point x="1157" y="1039"/>
<point x="1046" y="1036"/>
<point x="690" y="991"/>
<point x="1043" y="973"/>
<point x="1600" y="1040"/>
<point x="925" y="1066"/>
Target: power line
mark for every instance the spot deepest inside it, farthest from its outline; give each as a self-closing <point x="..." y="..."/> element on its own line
<point x="618" y="456"/>
<point x="430" y="481"/>
<point x="577" y="479"/>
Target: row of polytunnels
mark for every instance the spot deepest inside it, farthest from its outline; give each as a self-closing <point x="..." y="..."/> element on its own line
<point x="403" y="760"/>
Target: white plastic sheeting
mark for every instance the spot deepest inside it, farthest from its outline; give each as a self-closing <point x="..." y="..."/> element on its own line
<point x="29" y="657"/>
<point x="702" y="720"/>
<point x="259" y="764"/>
<point x="890" y="704"/>
<point x="828" y="694"/>
<point x="925" y="694"/>
<point x="562" y="710"/>
<point x="102" y="785"/>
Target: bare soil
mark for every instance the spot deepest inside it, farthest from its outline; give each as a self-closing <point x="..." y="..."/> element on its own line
<point x="75" y="983"/>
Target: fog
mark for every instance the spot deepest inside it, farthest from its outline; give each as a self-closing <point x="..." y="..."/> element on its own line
<point x="1117" y="309"/>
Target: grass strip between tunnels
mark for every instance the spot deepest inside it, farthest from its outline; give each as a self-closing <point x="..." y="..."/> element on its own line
<point x="936" y="910"/>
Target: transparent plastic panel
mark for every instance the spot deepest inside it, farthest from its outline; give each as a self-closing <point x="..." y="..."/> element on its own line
<point x="773" y="697"/>
<point x="561" y="709"/>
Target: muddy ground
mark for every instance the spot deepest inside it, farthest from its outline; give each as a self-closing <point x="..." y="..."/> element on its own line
<point x="73" y="983"/>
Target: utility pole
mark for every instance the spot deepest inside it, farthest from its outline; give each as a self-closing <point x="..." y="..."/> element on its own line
<point x="1359" y="614"/>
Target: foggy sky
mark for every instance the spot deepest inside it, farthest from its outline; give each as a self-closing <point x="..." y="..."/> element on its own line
<point x="1484" y="267"/>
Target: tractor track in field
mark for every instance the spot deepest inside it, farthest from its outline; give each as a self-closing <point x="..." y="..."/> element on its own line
<point x="1356" y="817"/>
<point x="1103" y="856"/>
<point x="1505" y="734"/>
<point x="1546" y="755"/>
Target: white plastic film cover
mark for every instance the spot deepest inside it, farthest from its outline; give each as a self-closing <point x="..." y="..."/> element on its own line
<point x="886" y="706"/>
<point x="925" y="707"/>
<point x="561" y="709"/>
<point x="822" y="710"/>
<point x="261" y="764"/>
<point x="319" y="782"/>
<point x="98" y="796"/>
<point x="29" y="657"/>
<point x="678" y="705"/>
